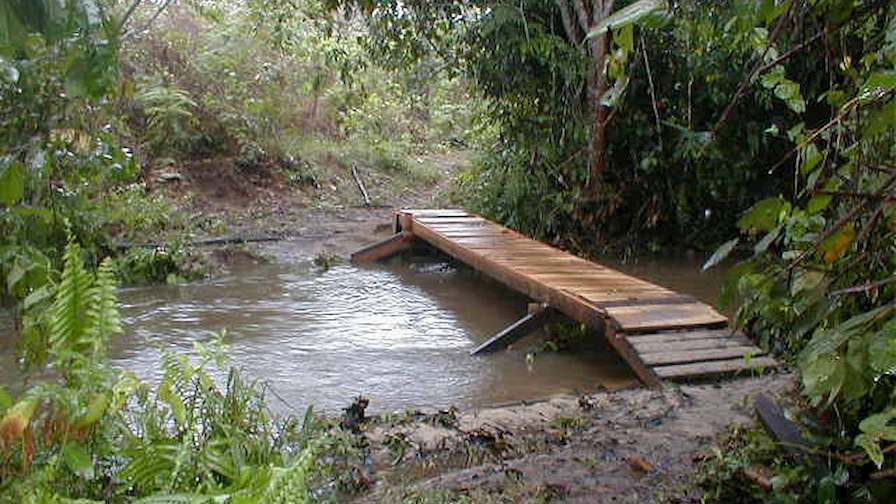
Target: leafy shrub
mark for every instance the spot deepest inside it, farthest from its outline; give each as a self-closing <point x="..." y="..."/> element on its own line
<point x="168" y="264"/>
<point x="169" y="117"/>
<point x="96" y="433"/>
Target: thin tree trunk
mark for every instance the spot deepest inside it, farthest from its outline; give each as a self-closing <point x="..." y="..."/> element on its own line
<point x="597" y="146"/>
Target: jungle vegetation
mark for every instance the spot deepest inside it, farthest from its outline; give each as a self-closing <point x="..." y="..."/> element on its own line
<point x="761" y="129"/>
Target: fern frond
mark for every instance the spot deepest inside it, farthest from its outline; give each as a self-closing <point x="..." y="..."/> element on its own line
<point x="69" y="311"/>
<point x="102" y="314"/>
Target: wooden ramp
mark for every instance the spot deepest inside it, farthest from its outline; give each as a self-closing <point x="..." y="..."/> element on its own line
<point x="660" y="333"/>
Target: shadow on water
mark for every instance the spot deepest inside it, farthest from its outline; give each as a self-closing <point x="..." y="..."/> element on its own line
<point x="398" y="333"/>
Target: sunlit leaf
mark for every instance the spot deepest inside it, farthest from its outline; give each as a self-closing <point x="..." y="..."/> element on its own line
<point x="835" y="245"/>
<point x="721" y="253"/>
<point x="627" y="15"/>
<point x="810" y="158"/>
<point x="763" y="216"/>
<point x="877" y="85"/>
<point x="872" y="448"/>
<point x="5" y="399"/>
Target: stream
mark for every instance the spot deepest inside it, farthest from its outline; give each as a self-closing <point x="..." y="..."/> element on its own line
<point x="398" y="333"/>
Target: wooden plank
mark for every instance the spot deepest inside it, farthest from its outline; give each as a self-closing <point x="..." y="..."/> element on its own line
<point x="514" y="332"/>
<point x="713" y="368"/>
<point x="385" y="248"/>
<point x="694" y="344"/>
<point x="437" y="212"/>
<point x="664" y="336"/>
<point x="450" y="219"/>
<point x="683" y="357"/>
<point x="657" y="317"/>
<point x="640" y="301"/>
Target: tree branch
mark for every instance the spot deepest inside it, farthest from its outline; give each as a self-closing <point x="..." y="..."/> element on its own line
<point x="128" y="14"/>
<point x="742" y="88"/>
<point x="569" y="25"/>
<point x="656" y="112"/>
<point x="864" y="287"/>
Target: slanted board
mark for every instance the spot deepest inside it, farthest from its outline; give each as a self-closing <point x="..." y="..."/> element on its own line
<point x="683" y="357"/>
<point x="383" y="249"/>
<point x="700" y="369"/>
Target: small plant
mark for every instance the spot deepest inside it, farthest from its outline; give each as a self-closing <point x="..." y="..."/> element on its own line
<point x="169" y="117"/>
<point x="166" y="264"/>
<point x="326" y="260"/>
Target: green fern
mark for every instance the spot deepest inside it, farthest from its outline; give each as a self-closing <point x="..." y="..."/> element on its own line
<point x="84" y="314"/>
<point x="69" y="322"/>
<point x="103" y="316"/>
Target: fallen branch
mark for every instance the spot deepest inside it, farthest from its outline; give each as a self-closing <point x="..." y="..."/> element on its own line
<point x="864" y="287"/>
<point x="361" y="186"/>
<point x="224" y="240"/>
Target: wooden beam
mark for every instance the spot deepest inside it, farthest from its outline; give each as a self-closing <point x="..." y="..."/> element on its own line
<point x="533" y="321"/>
<point x="383" y="249"/>
<point x="783" y="430"/>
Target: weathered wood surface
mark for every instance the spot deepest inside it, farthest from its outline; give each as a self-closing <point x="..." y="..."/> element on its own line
<point x="659" y="333"/>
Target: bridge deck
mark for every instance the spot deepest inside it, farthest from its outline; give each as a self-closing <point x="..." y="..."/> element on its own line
<point x="658" y="332"/>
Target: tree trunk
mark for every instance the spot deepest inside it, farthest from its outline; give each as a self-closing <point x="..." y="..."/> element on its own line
<point x="597" y="146"/>
<point x="578" y="18"/>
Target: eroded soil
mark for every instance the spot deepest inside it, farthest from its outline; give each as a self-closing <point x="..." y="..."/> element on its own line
<point x="635" y="445"/>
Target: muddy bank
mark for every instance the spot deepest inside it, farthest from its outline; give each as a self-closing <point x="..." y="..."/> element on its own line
<point x="634" y="445"/>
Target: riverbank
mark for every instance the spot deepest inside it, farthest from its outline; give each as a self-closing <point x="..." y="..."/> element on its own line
<point x="634" y="445"/>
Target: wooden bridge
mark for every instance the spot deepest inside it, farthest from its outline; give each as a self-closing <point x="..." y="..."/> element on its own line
<point x="661" y="334"/>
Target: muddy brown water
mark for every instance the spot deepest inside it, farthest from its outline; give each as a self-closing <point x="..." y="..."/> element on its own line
<point x="398" y="333"/>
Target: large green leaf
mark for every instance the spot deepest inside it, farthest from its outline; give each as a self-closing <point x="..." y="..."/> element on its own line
<point x="830" y="340"/>
<point x="627" y="15"/>
<point x="12" y="183"/>
<point x="763" y="216"/>
<point x="78" y="460"/>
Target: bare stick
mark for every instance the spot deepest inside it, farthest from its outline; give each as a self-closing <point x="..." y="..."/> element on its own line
<point x="656" y="112"/>
<point x="864" y="287"/>
<point x="361" y="186"/>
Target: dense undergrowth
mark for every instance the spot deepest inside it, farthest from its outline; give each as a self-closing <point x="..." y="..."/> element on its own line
<point x="92" y="433"/>
<point x="98" y="99"/>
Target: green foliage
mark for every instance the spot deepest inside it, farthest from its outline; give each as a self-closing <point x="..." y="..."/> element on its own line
<point x="169" y="117"/>
<point x="744" y="457"/>
<point x="164" y="264"/>
<point x="99" y="434"/>
<point x="818" y="286"/>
